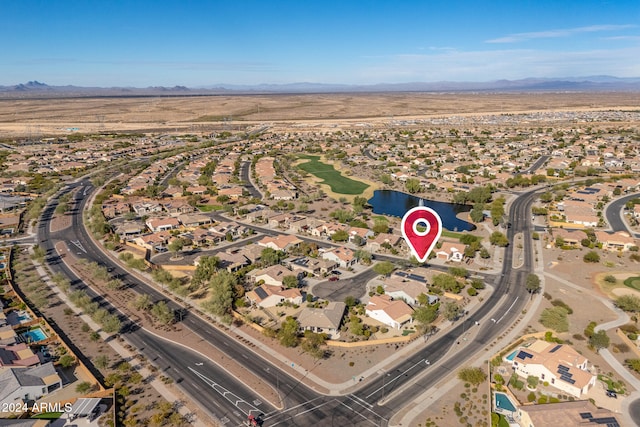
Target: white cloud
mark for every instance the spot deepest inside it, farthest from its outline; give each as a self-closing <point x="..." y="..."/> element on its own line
<point x="518" y="37"/>
<point x="489" y="65"/>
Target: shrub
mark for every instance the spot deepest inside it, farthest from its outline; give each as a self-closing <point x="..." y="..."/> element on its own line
<point x="591" y="257"/>
<point x="560" y="303"/>
<point x="542" y="399"/>
<point x="609" y="278"/>
<point x="555" y="318"/>
<point x="472" y="292"/>
<point x="531" y="397"/>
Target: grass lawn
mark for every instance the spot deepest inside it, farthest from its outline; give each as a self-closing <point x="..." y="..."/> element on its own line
<point x="633" y="282"/>
<point x="334" y="179"/>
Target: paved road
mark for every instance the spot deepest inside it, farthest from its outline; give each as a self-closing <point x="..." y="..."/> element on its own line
<point x="245" y="177"/>
<point x="613" y="214"/>
<point x="534" y="167"/>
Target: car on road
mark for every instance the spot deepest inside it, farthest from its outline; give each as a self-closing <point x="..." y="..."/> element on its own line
<point x="333" y="278"/>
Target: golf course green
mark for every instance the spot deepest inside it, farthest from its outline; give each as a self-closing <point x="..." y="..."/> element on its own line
<point x="339" y="184"/>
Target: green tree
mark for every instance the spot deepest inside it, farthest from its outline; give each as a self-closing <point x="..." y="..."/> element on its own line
<point x="313" y="344"/>
<point x="633" y="364"/>
<point x="176" y="246"/>
<point x="447" y="282"/>
<point x="591" y="257"/>
<point x="385" y="178"/>
<point x="142" y="302"/>
<point x="350" y="301"/>
<point x="363" y="256"/>
<point x="290" y="281"/>
<point x="270" y="256"/>
<point x="222" y="286"/>
<point x="162" y="313"/>
<point x="383" y="268"/>
<point x="66" y="360"/>
<point x="425" y="315"/>
<point x="532" y="381"/>
<point x="476" y="213"/>
<point x="533" y="283"/>
<point x="340" y="236"/>
<point x="451" y="311"/>
<point x="111" y="324"/>
<point x="288" y="333"/>
<point x="207" y="266"/>
<point x="599" y="340"/>
<point x="412" y="185"/>
<point x="474" y="376"/>
<point x="498" y="239"/>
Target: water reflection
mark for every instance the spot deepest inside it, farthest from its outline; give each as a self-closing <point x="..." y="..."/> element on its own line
<point x="396" y="203"/>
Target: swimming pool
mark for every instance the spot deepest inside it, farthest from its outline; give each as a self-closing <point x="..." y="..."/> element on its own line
<point x="23" y="316"/>
<point x="504" y="403"/>
<point x="2" y="265"/>
<point x="512" y="356"/>
<point x="34" y="335"/>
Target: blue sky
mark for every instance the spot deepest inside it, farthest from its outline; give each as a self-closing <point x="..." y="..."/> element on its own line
<point x="199" y="43"/>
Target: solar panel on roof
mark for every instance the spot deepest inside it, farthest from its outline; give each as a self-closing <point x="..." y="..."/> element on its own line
<point x="523" y="355"/>
<point x="567" y="379"/>
<point x="562" y="368"/>
<point x="585" y="415"/>
<point x="261" y="292"/>
<point x="554" y="349"/>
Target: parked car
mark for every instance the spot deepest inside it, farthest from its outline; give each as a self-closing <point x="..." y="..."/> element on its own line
<point x="333" y="278"/>
<point x="612" y="393"/>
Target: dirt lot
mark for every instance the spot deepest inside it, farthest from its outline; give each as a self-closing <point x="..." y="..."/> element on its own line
<point x="208" y="113"/>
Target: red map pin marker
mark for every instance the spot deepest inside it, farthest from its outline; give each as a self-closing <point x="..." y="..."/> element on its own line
<point x="421" y="242"/>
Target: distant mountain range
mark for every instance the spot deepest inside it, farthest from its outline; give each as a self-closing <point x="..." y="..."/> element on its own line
<point x="35" y="89"/>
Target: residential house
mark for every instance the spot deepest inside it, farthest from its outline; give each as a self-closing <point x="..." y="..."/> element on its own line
<point x="234" y="193"/>
<point x="557" y="364"/>
<point x="376" y="244"/>
<point x="363" y="234"/>
<point x="451" y="252"/>
<point x="162" y="224"/>
<point x="282" y="242"/>
<point x="146" y="208"/>
<point x="579" y="413"/>
<point x="153" y="241"/>
<point x="343" y="256"/>
<point x="271" y="275"/>
<point x="571" y="238"/>
<point x="405" y="289"/>
<point x="620" y="241"/>
<point x="15" y="355"/>
<point x="310" y="266"/>
<point x="270" y="296"/>
<point x="194" y="220"/>
<point x="178" y="207"/>
<point x="28" y="384"/>
<point x="323" y="320"/>
<point x="393" y="313"/>
<point x="232" y="261"/>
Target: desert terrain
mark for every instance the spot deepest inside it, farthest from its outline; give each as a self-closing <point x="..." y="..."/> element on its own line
<point x="20" y="117"/>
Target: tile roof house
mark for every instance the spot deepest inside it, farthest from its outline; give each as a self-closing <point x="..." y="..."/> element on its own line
<point x="451" y="252"/>
<point x="25" y="384"/>
<point x="271" y="275"/>
<point x="580" y="413"/>
<point x="558" y="364"/>
<point x="17" y="355"/>
<point x="394" y="313"/>
<point x="407" y="290"/>
<point x="270" y="296"/>
<point x="342" y="255"/>
<point x="619" y="241"/>
<point x="162" y="224"/>
<point x="280" y="243"/>
<point x="323" y="320"/>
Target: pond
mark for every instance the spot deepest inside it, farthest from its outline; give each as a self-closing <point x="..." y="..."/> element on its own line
<point x="396" y="203"/>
